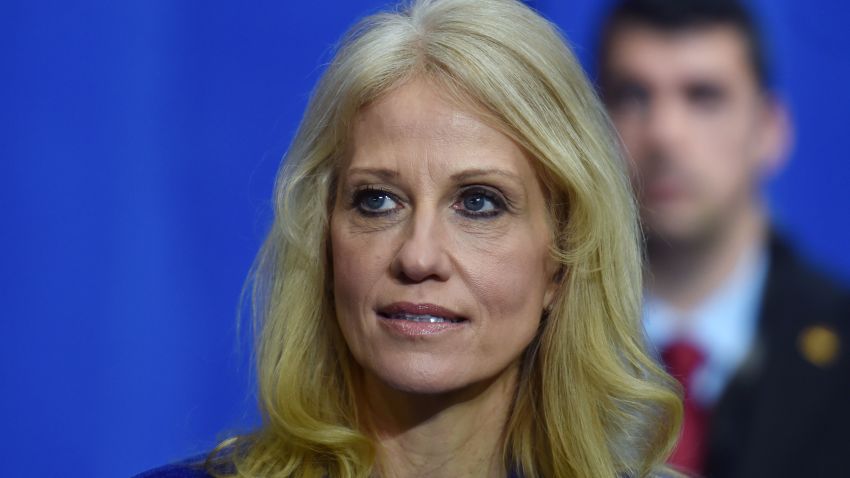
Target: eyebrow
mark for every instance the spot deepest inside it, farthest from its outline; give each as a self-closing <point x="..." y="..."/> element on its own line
<point x="385" y="173"/>
<point x="382" y="173"/>
<point x="473" y="173"/>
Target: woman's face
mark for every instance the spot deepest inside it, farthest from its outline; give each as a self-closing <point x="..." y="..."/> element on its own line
<point x="440" y="244"/>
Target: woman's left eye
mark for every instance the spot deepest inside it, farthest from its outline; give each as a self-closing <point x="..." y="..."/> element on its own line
<point x="479" y="203"/>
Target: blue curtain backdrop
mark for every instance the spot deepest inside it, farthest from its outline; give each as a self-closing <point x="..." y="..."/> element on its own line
<point x="139" y="143"/>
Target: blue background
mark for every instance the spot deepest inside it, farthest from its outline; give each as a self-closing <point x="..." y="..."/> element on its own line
<point x="138" y="145"/>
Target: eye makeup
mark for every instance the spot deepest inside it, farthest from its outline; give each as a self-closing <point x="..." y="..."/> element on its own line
<point x="375" y="201"/>
<point x="480" y="202"/>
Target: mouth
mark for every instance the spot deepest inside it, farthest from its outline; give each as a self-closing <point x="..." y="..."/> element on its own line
<point x="666" y="186"/>
<point x="420" y="313"/>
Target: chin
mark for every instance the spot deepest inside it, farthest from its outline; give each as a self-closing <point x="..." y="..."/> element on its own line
<point x="672" y="230"/>
<point x="418" y="375"/>
<point x="420" y="379"/>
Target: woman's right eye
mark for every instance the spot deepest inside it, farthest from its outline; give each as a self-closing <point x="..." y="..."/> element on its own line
<point x="374" y="202"/>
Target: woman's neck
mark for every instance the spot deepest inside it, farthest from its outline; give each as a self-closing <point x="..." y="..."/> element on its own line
<point x="453" y="434"/>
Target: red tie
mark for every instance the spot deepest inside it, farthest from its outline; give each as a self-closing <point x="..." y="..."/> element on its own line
<point x="682" y="360"/>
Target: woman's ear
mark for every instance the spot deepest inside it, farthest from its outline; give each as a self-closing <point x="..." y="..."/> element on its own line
<point x="553" y="287"/>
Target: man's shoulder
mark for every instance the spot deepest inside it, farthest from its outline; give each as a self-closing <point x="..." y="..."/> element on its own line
<point x="794" y="283"/>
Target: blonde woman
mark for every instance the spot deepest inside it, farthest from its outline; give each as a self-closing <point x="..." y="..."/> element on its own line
<point x="451" y="285"/>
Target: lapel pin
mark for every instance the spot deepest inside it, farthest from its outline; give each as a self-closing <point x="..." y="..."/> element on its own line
<point x="819" y="345"/>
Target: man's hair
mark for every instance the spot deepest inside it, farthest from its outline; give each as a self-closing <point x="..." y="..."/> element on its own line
<point x="673" y="16"/>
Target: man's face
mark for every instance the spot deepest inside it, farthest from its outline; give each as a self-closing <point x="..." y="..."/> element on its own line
<point x="694" y="122"/>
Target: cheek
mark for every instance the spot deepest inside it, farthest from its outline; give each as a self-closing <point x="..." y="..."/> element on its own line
<point x="508" y="275"/>
<point x="357" y="264"/>
<point x="726" y="138"/>
<point x="726" y="157"/>
<point x="509" y="286"/>
<point x="630" y="131"/>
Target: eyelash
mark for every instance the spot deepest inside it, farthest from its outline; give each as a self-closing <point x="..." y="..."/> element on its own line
<point x="499" y="203"/>
<point x="360" y="195"/>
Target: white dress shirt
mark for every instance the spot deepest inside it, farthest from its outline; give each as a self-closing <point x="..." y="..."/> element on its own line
<point x="723" y="326"/>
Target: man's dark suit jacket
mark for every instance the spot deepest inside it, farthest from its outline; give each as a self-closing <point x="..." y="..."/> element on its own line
<point x="782" y="415"/>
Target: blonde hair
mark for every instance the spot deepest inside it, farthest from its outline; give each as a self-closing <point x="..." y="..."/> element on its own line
<point x="590" y="402"/>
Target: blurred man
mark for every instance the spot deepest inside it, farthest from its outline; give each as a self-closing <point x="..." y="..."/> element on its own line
<point x="759" y="340"/>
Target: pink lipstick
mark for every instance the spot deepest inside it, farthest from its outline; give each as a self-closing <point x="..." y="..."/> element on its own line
<point x="416" y="320"/>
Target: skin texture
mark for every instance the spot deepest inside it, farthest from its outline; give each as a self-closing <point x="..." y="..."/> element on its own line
<point x="439" y="402"/>
<point x="701" y="134"/>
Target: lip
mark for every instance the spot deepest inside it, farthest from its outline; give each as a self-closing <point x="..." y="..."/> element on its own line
<point x="411" y="329"/>
<point x="418" y="309"/>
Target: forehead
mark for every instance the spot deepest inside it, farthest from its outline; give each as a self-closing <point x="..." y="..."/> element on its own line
<point x="658" y="56"/>
<point x="414" y="125"/>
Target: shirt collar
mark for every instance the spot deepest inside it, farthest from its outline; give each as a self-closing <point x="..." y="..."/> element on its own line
<point x="723" y="325"/>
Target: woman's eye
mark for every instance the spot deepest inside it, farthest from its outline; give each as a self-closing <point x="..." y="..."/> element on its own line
<point x="479" y="203"/>
<point x="375" y="202"/>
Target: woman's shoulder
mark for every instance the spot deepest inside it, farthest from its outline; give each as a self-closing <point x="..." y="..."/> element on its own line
<point x="175" y="471"/>
<point x="190" y="468"/>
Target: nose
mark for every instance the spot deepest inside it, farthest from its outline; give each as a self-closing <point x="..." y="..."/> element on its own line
<point x="666" y="123"/>
<point x="422" y="254"/>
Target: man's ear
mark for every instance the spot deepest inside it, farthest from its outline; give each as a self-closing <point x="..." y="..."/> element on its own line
<point x="777" y="135"/>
